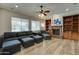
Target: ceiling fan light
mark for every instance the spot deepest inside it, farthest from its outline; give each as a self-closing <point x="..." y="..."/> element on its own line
<point x="39" y="15"/>
<point x="42" y="15"/>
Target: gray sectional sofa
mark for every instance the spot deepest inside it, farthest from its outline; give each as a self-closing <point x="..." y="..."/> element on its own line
<point x="11" y="42"/>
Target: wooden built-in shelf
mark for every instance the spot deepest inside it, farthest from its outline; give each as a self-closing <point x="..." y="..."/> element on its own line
<point x="71" y="27"/>
<point x="47" y="22"/>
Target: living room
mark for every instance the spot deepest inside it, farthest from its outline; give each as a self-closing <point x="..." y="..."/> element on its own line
<point x="39" y="29"/>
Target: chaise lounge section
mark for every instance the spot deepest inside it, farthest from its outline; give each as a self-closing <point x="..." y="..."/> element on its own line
<point x="10" y="44"/>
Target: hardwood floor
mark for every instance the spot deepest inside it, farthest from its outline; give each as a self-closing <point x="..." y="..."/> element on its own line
<point x="52" y="47"/>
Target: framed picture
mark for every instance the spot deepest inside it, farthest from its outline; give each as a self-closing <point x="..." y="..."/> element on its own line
<point x="57" y="22"/>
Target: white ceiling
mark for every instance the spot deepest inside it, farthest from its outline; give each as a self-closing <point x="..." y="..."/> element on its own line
<point x="30" y="9"/>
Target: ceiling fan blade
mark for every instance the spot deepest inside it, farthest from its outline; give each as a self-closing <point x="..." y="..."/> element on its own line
<point x="47" y="11"/>
<point x="41" y="11"/>
<point x="45" y="14"/>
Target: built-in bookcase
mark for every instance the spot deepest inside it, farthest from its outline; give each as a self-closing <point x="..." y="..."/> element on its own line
<point x="48" y="22"/>
<point x="71" y="27"/>
<point x="67" y="23"/>
<point x="75" y="24"/>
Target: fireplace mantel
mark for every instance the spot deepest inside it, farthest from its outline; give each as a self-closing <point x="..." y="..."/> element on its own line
<point x="56" y="26"/>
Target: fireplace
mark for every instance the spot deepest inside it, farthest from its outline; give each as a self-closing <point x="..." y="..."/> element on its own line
<point x="57" y="31"/>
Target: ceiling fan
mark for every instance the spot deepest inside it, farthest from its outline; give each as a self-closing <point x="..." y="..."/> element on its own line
<point x="43" y="12"/>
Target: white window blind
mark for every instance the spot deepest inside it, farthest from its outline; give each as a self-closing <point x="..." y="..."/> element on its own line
<point x="35" y="25"/>
<point x="19" y="24"/>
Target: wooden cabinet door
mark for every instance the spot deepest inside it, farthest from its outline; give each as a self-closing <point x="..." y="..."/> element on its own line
<point x="78" y="35"/>
<point x="75" y="36"/>
<point x="69" y="35"/>
<point x="65" y="35"/>
<point x="78" y="27"/>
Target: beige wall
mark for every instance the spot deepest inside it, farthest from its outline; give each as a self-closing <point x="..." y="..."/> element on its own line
<point x="42" y="24"/>
<point x="5" y="20"/>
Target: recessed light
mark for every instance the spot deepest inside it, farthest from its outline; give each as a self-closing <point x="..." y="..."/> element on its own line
<point x="16" y="6"/>
<point x="67" y="9"/>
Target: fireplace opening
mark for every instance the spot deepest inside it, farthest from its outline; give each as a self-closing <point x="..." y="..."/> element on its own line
<point x="56" y="32"/>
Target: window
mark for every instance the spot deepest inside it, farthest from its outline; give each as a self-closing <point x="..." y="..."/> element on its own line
<point x="25" y="25"/>
<point x="35" y="25"/>
<point x="18" y="24"/>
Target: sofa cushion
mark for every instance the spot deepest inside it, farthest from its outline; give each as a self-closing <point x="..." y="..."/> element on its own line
<point x="44" y="32"/>
<point x="1" y="41"/>
<point x="10" y="43"/>
<point x="9" y="35"/>
<point x="27" y="39"/>
<point x="21" y="34"/>
<point x="45" y="35"/>
<point x="10" y="39"/>
<point x="37" y="37"/>
<point x="22" y="37"/>
<point x="28" y="33"/>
